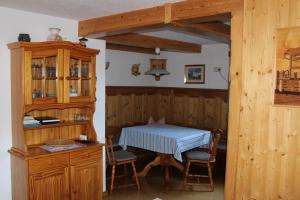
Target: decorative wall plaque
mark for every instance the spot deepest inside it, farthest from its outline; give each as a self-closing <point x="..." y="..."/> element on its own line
<point x="287" y="87"/>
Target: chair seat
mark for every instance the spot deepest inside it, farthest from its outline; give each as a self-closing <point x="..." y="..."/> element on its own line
<point x="197" y="155"/>
<point x="124" y="155"/>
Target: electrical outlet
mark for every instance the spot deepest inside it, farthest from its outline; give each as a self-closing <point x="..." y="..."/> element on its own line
<point x="217" y="69"/>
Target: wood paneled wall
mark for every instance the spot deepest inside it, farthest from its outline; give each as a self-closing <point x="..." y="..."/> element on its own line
<point x="201" y="108"/>
<point x="264" y="138"/>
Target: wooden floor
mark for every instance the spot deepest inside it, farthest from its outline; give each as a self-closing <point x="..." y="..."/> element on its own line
<point x="152" y="187"/>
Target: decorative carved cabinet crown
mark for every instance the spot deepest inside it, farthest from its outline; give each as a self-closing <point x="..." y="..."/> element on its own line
<point x="55" y="80"/>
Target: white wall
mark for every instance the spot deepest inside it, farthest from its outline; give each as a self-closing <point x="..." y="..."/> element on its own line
<point x="215" y="55"/>
<point x="12" y="23"/>
<point x="119" y="71"/>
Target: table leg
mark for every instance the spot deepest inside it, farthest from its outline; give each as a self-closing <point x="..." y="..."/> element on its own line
<point x="167" y="174"/>
<point x="164" y="160"/>
<point x="175" y="164"/>
<point x="155" y="162"/>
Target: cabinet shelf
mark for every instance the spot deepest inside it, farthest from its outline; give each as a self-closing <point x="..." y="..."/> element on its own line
<point x="61" y="124"/>
<point x="37" y="78"/>
<point x="51" y="78"/>
<point x="72" y="78"/>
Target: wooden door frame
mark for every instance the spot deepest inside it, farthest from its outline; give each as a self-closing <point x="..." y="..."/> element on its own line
<point x="179" y="12"/>
<point x="235" y="93"/>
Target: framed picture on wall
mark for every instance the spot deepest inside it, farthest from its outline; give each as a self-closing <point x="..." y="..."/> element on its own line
<point x="194" y="74"/>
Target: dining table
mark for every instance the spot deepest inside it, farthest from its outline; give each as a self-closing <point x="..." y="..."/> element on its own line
<point x="168" y="141"/>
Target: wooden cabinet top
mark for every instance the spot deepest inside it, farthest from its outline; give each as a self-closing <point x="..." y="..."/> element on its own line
<point x="51" y="45"/>
<point x="37" y="152"/>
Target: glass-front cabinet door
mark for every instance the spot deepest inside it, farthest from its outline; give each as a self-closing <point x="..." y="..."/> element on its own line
<point x="86" y="78"/>
<point x="44" y="77"/>
<point x="80" y="78"/>
<point x="45" y="70"/>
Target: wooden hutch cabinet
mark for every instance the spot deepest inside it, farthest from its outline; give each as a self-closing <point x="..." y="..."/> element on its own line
<point x="54" y="79"/>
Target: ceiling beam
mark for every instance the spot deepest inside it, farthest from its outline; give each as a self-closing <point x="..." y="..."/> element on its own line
<point x="123" y="22"/>
<point x="145" y="41"/>
<point x="119" y="47"/>
<point x="155" y="17"/>
<point x="195" y="9"/>
<point x="215" y="31"/>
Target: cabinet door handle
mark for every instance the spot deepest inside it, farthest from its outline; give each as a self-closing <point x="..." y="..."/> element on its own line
<point x="61" y="78"/>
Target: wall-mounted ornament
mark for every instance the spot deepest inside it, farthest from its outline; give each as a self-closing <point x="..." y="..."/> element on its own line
<point x="135" y="69"/>
<point x="157" y="68"/>
<point x="287" y="90"/>
<point x="194" y="74"/>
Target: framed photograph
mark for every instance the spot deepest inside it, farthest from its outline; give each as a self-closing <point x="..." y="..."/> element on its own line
<point x="194" y="74"/>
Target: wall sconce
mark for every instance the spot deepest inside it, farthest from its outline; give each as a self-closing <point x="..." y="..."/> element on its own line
<point x="157" y="68"/>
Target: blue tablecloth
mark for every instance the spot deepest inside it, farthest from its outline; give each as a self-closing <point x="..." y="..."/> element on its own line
<point x="164" y="138"/>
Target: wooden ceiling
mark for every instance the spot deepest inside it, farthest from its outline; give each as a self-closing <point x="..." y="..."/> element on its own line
<point x="120" y="30"/>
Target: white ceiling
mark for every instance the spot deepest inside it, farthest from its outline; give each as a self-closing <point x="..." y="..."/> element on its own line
<point x="81" y="9"/>
<point x="86" y="9"/>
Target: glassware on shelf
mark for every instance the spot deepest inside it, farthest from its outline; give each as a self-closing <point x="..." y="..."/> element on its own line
<point x="50" y="63"/>
<point x="50" y="72"/>
<point x="74" y="71"/>
<point x="37" y="94"/>
<point x="81" y="117"/>
<point x="73" y="92"/>
<point x="37" y="71"/>
<point x="54" y="34"/>
<point x="85" y="70"/>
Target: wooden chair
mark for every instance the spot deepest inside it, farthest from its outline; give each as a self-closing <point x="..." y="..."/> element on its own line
<point x="203" y="158"/>
<point x="117" y="158"/>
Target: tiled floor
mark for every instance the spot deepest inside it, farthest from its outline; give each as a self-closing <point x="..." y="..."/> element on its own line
<point x="153" y="187"/>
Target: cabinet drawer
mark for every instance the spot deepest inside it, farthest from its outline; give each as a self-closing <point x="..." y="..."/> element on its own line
<point x="45" y="163"/>
<point x="85" y="155"/>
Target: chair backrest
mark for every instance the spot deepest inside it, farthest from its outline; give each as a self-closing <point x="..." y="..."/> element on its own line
<point x="216" y="135"/>
<point x="109" y="149"/>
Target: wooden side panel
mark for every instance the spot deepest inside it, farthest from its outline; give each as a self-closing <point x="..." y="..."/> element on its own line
<point x="268" y="138"/>
<point x="127" y="109"/>
<point x="60" y="82"/>
<point x="27" y="77"/>
<point x="178" y="110"/>
<point x="235" y="93"/>
<point x="93" y="78"/>
<point x="19" y="178"/>
<point x="17" y="97"/>
<point x="66" y="74"/>
<point x="138" y="106"/>
<point x="134" y="105"/>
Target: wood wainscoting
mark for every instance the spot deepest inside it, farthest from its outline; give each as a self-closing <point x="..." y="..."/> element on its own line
<point x="200" y="108"/>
